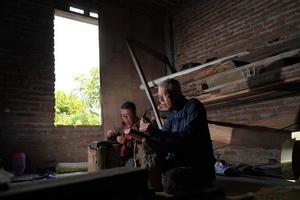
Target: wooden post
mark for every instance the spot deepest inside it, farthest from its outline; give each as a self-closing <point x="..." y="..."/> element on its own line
<point x="145" y="84"/>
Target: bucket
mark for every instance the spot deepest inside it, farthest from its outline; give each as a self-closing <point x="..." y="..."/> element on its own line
<point x="19" y="163"/>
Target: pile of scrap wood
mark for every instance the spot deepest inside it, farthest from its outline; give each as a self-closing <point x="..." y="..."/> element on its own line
<point x="266" y="72"/>
<point x="271" y="77"/>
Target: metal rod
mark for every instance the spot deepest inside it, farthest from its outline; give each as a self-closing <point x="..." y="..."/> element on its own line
<point x="144" y="82"/>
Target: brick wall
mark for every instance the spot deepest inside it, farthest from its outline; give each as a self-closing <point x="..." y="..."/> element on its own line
<point x="71" y="142"/>
<point x="27" y="89"/>
<point x="207" y="29"/>
<point x="27" y="77"/>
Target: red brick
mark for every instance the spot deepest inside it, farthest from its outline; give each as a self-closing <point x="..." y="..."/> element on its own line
<point x="203" y="19"/>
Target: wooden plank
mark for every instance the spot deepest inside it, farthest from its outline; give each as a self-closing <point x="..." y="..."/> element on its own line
<point x="244" y="83"/>
<point x="156" y="82"/>
<point x="239" y="86"/>
<point x="100" y="184"/>
<point x="213" y="99"/>
<point x="247" y="136"/>
<point x="103" y="157"/>
<point x="256" y="97"/>
<point x="208" y="71"/>
<point x="145" y="84"/>
<point x="245" y="126"/>
<point x="220" y="133"/>
<point x="218" y="145"/>
<point x="154" y="53"/>
<point x="265" y="61"/>
<point x="247" y="70"/>
<point x="250" y="75"/>
<point x="74" y="16"/>
<point x="257" y="80"/>
<point x="67" y="167"/>
<point x="280" y="121"/>
<point x="272" y="49"/>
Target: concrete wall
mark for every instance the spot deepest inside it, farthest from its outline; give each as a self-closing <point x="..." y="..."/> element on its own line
<point x="119" y="79"/>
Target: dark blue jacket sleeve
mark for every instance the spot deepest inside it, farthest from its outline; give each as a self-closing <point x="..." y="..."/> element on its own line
<point x="194" y="121"/>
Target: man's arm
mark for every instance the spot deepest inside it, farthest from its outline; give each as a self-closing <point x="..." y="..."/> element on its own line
<point x="136" y="134"/>
<point x="112" y="134"/>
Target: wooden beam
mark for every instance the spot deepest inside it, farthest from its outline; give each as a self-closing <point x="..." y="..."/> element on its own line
<point x="249" y="127"/>
<point x="154" y="53"/>
<point x="265" y="78"/>
<point x="156" y="82"/>
<point x="144" y="82"/>
<point x="263" y="88"/>
<point x="101" y="185"/>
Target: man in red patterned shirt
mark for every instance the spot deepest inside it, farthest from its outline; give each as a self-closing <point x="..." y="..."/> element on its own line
<point x="129" y="121"/>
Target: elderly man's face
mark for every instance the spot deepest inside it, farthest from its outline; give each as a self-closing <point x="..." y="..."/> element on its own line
<point x="165" y="101"/>
<point x="128" y="116"/>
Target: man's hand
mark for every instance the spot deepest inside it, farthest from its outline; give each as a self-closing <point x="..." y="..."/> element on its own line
<point x="135" y="134"/>
<point x="145" y="127"/>
<point x="110" y="134"/>
<point x="120" y="140"/>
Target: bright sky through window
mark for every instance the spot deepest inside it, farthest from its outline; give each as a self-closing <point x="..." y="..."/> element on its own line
<point x="77" y="10"/>
<point x="76" y="50"/>
<point x="95" y="15"/>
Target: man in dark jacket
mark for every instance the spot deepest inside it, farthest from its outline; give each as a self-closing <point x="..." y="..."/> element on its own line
<point x="185" y="141"/>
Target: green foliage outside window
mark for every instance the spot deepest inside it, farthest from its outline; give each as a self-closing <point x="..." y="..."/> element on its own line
<point x="81" y="106"/>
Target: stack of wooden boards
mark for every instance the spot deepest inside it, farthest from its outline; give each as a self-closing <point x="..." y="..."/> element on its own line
<point x="267" y="72"/>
